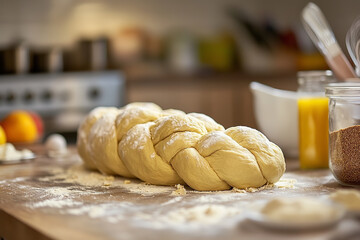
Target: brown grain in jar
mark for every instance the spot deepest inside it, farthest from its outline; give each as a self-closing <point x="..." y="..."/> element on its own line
<point x="344" y="129"/>
<point x="345" y="155"/>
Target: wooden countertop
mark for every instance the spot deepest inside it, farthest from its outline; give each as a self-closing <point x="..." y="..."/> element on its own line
<point x="36" y="203"/>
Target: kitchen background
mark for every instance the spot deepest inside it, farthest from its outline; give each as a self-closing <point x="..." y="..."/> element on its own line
<point x="62" y="58"/>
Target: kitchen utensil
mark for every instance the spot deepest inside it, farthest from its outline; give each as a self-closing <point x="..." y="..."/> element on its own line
<point x="353" y="43"/>
<point x="323" y="37"/>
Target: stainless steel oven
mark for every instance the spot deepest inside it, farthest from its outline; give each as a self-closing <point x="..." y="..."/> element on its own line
<point x="61" y="99"/>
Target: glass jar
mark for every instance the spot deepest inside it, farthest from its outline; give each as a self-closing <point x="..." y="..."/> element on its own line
<point x="344" y="132"/>
<point x="313" y="119"/>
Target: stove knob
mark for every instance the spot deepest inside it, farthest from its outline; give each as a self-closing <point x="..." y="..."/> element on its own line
<point x="10" y="97"/>
<point x="94" y="93"/>
<point x="28" y="97"/>
<point x="46" y="96"/>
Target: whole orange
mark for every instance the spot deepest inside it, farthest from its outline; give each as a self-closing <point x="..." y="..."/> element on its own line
<point x="2" y="136"/>
<point x="38" y="122"/>
<point x="19" y="127"/>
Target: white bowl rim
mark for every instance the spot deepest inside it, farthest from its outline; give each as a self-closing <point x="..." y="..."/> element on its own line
<point x="256" y="86"/>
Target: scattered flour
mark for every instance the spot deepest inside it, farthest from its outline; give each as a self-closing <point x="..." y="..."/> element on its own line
<point x="202" y="214"/>
<point x="78" y="174"/>
<point x="172" y="213"/>
<point x="56" y="197"/>
<point x="56" y="203"/>
<point x="65" y="191"/>
<point x="18" y="179"/>
<point x="192" y="218"/>
<point x="111" y="212"/>
<point x="172" y="201"/>
<point x="92" y="211"/>
<point x="217" y="198"/>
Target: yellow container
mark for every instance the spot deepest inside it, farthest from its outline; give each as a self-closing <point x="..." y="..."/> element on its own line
<point x="313" y="132"/>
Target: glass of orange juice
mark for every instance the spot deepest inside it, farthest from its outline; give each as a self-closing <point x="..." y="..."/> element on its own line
<point x="313" y="119"/>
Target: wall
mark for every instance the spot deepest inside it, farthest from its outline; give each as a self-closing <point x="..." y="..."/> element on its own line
<point x="61" y="22"/>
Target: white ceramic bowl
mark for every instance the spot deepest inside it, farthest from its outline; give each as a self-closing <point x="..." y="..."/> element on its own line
<point x="276" y="115"/>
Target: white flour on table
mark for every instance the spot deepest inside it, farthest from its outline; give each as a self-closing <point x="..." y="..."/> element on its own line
<point x="182" y="208"/>
<point x="79" y="175"/>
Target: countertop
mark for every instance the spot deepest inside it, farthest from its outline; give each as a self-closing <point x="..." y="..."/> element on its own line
<point x="56" y="198"/>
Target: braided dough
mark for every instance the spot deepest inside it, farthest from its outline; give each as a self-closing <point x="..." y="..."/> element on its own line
<point x="168" y="147"/>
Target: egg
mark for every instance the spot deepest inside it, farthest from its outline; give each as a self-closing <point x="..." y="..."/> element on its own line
<point x="56" y="145"/>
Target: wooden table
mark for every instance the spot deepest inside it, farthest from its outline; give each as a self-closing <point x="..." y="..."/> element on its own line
<point x="33" y="205"/>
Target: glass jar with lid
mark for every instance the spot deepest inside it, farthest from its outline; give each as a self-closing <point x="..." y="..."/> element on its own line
<point x="344" y="132"/>
<point x="313" y="118"/>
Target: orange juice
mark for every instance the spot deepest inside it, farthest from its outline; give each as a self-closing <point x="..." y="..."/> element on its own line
<point x="313" y="132"/>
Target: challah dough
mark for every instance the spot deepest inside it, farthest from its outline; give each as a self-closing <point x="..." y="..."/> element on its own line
<point x="84" y="130"/>
<point x="168" y="147"/>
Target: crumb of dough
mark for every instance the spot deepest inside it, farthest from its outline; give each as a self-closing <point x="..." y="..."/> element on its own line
<point x="253" y="189"/>
<point x="127" y="181"/>
<point x="107" y="184"/>
<point x="108" y="181"/>
<point x="180" y="190"/>
<point x="237" y="190"/>
<point x="350" y="198"/>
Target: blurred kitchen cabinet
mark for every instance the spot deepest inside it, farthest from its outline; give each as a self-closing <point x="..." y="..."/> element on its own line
<point x="211" y="98"/>
<point x="243" y="112"/>
<point x="219" y="104"/>
<point x="186" y="98"/>
<point x="227" y="99"/>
